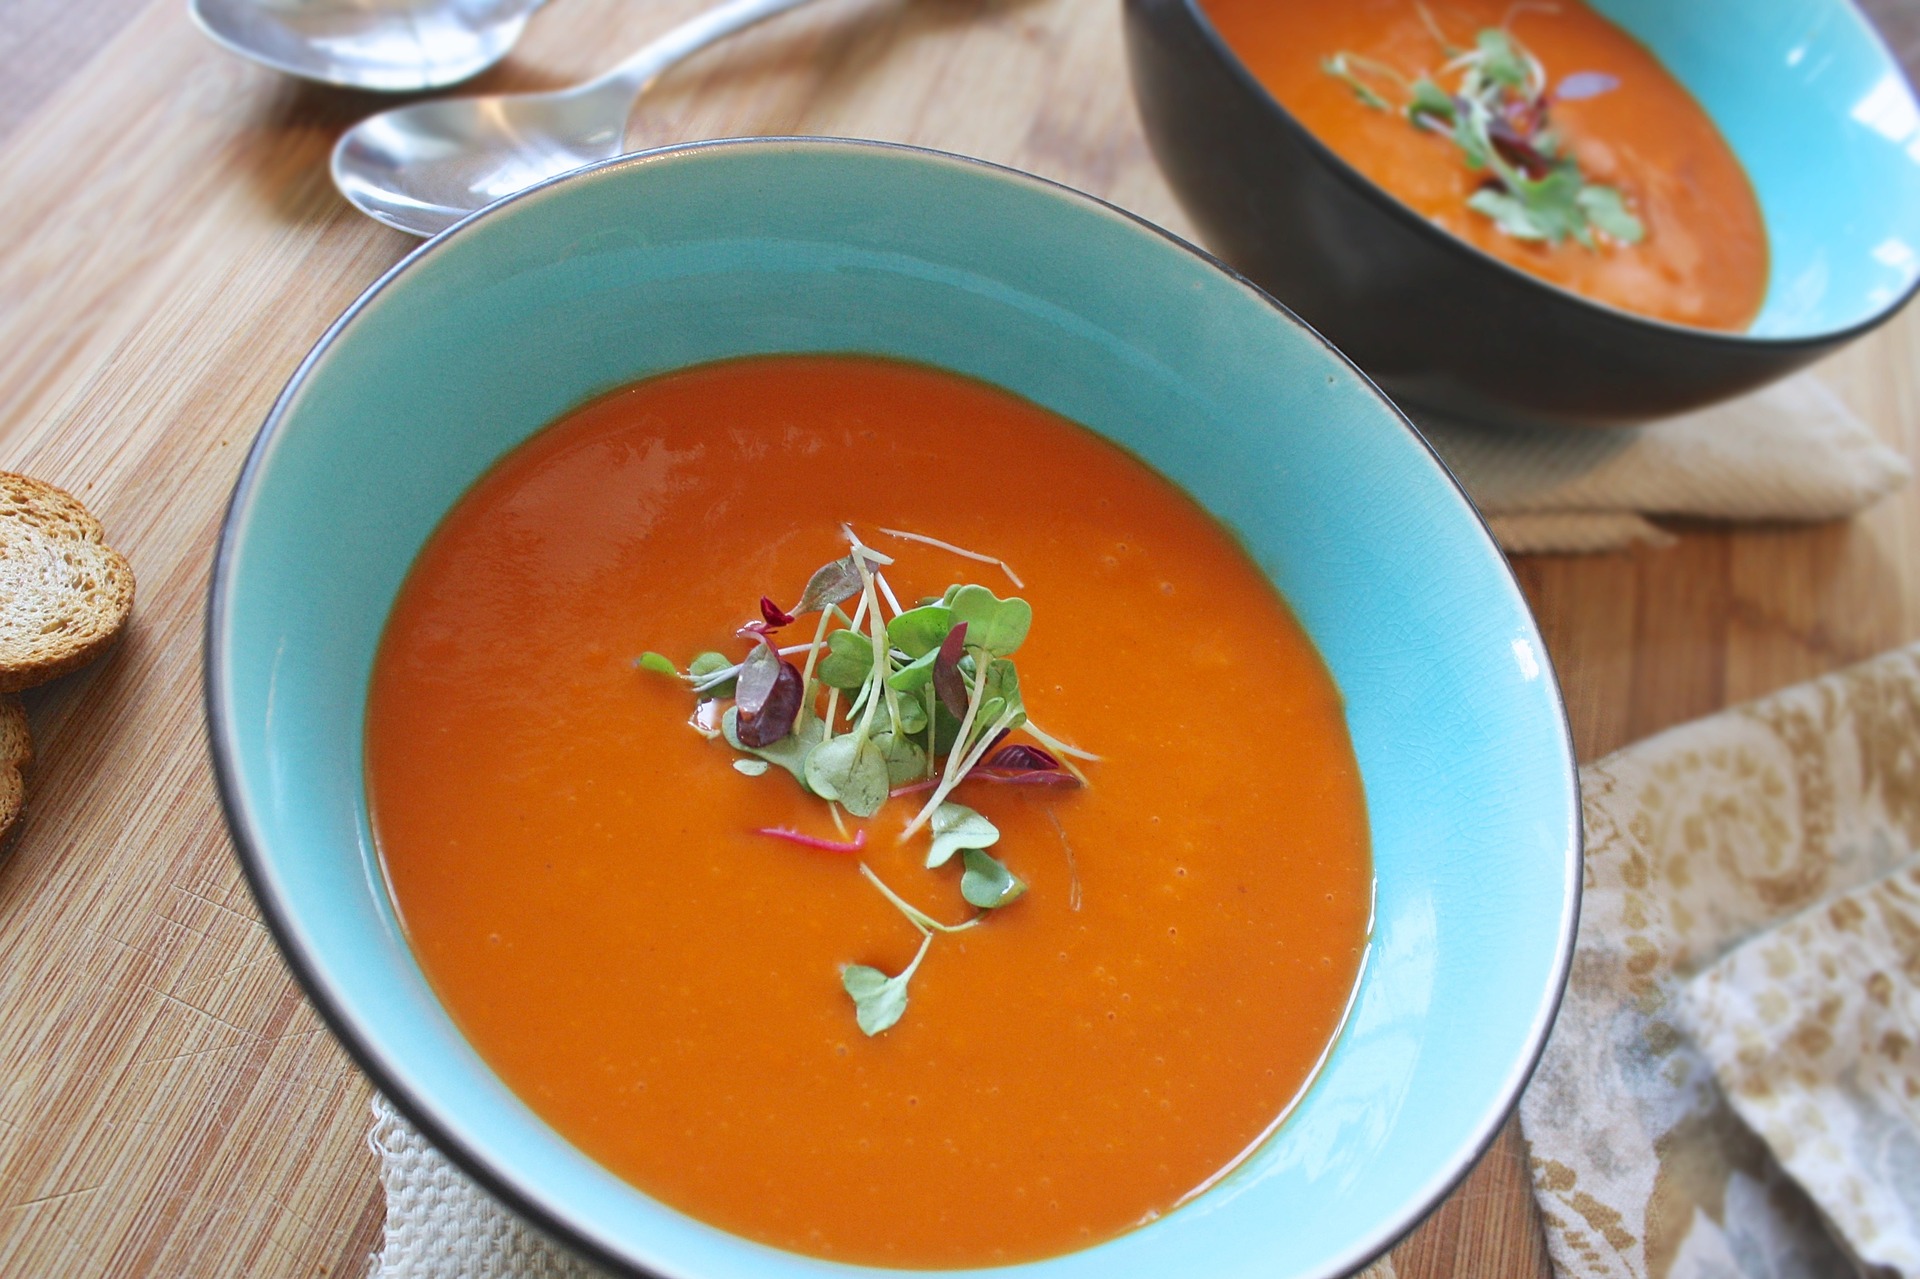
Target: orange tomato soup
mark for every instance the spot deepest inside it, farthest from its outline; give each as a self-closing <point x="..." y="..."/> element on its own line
<point x="1704" y="259"/>
<point x="578" y="874"/>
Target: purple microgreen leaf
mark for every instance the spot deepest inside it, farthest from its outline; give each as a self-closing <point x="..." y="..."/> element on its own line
<point x="1518" y="149"/>
<point x="774" y="719"/>
<point x="830" y="584"/>
<point x="1028" y="777"/>
<point x="758" y="674"/>
<point x="1023" y="759"/>
<point x="1585" y="84"/>
<point x="947" y="680"/>
<point x="773" y="614"/>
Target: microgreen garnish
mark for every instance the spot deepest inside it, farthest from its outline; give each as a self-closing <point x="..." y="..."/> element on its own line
<point x="986" y="883"/>
<point x="887" y="701"/>
<point x="1496" y="113"/>
<point x="955" y="826"/>
<point x="651" y="661"/>
<point x="879" y="1000"/>
<point x="854" y="845"/>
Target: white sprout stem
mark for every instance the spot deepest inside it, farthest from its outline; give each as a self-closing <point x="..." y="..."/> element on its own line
<point x="1066" y="753"/>
<point x="926" y="940"/>
<point x="833" y="810"/>
<point x="924" y="922"/>
<point x="878" y="673"/>
<point x="719" y="677"/>
<point x="933" y="727"/>
<point x="1073" y="867"/>
<point x="960" y="743"/>
<point x="813" y="649"/>
<point x="893" y="601"/>
<point x="961" y="551"/>
<point x="863" y="551"/>
<point x="1055" y="745"/>
<point x="1447" y="46"/>
<point x="833" y="697"/>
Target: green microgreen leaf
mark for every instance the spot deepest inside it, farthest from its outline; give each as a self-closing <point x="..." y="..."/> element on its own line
<point x="790" y="752"/>
<point x="919" y="631"/>
<point x="997" y="625"/>
<point x="1340" y="66"/>
<point x="1607" y="211"/>
<point x="851" y="770"/>
<point x="879" y="1001"/>
<point x="848" y="663"/>
<point x="830" y="584"/>
<point x="988" y="884"/>
<point x="1429" y="99"/>
<point x="652" y="661"/>
<point x="1509" y="213"/>
<point x="703" y="671"/>
<point x="913" y="716"/>
<point x="905" y="759"/>
<point x="1501" y="60"/>
<point x="751" y="767"/>
<point x="956" y="827"/>
<point x="912" y="677"/>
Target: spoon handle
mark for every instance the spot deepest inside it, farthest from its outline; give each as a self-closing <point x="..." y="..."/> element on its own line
<point x="691" y="36"/>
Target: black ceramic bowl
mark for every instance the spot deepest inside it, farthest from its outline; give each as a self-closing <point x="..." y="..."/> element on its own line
<point x="1804" y="90"/>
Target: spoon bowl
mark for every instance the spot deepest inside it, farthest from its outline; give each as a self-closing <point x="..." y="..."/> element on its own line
<point x="404" y="46"/>
<point x="424" y="167"/>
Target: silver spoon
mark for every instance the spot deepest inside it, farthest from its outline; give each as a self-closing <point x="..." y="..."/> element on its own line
<point x="421" y="168"/>
<point x="392" y="46"/>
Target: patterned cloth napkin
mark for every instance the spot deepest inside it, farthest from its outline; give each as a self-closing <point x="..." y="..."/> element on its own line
<point x="1790" y="452"/>
<point x="1811" y="1030"/>
<point x="440" y="1225"/>
<point x="1701" y="843"/>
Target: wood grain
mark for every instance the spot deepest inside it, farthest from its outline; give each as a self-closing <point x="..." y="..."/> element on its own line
<point x="169" y="1104"/>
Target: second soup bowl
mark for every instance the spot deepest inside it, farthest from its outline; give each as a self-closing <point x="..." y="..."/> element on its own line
<point x="1804" y="91"/>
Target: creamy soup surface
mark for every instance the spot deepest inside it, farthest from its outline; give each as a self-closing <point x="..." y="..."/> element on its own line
<point x="579" y="873"/>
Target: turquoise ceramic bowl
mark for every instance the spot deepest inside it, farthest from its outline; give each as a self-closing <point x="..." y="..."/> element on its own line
<point x="677" y="257"/>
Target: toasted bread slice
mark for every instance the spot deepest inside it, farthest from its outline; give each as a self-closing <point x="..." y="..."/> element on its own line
<point x="16" y="756"/>
<point x="64" y="593"/>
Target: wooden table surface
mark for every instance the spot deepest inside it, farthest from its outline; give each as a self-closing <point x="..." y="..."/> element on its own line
<point x="169" y="248"/>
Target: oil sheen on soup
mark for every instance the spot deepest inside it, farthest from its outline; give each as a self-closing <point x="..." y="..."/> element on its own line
<point x="582" y="874"/>
<point x="1350" y="71"/>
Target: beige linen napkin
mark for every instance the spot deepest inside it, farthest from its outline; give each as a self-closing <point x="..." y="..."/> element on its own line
<point x="440" y="1225"/>
<point x="1792" y="451"/>
<point x="1698" y="840"/>
<point x="1811" y="1029"/>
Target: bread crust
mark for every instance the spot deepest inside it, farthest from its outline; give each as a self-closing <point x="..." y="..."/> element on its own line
<point x="16" y="757"/>
<point x="64" y="593"/>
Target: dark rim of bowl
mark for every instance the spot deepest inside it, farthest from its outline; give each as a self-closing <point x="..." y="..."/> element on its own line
<point x="1230" y="63"/>
<point x="551" y="1219"/>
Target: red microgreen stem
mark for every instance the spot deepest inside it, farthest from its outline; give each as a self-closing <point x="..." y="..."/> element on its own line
<point x="854" y="845"/>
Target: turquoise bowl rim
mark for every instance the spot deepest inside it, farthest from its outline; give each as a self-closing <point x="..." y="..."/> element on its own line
<point x="250" y="846"/>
